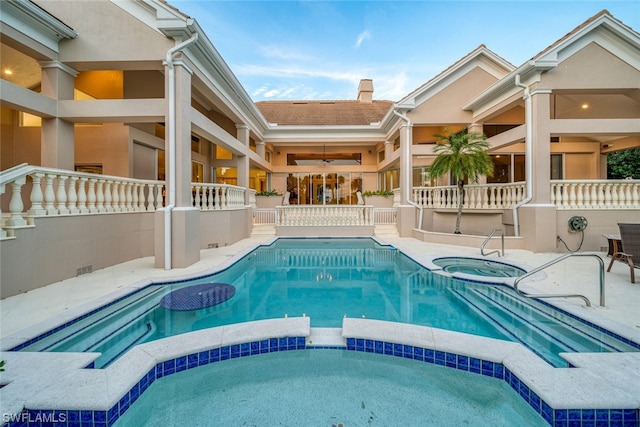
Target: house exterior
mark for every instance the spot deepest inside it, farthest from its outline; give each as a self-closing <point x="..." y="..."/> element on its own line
<point x="125" y="134"/>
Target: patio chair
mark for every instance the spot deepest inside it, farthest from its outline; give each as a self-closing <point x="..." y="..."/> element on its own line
<point x="630" y="250"/>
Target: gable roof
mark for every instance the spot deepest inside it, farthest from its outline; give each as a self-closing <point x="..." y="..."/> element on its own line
<point x="551" y="56"/>
<point x="480" y="56"/>
<point x="323" y="113"/>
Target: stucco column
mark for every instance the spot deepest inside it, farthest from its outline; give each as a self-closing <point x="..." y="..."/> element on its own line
<point x="185" y="218"/>
<point x="388" y="149"/>
<point x="242" y="161"/>
<point x="538" y="217"/>
<point x="541" y="140"/>
<point x="405" y="211"/>
<point x="57" y="148"/>
<point x="475" y="127"/>
<point x="260" y="149"/>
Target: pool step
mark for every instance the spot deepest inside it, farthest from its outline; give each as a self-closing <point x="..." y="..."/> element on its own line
<point x="263" y="230"/>
<point x="529" y="323"/>
<point x="386" y="230"/>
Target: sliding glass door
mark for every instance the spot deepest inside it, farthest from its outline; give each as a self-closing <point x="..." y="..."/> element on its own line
<point x="324" y="188"/>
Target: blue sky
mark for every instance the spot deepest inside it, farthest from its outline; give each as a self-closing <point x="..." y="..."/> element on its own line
<point x="283" y="50"/>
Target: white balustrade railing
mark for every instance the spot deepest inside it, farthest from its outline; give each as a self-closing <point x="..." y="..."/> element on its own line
<point x="481" y="196"/>
<point x="385" y="216"/>
<point x="211" y="197"/>
<point x="62" y="192"/>
<point x="334" y="215"/>
<point x="264" y="216"/>
<point x="596" y="194"/>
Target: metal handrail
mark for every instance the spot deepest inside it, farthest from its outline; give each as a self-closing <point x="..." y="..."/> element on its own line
<point x="487" y="241"/>
<point x="563" y="257"/>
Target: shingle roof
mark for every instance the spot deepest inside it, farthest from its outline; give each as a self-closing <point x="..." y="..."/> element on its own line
<point x="323" y="113"/>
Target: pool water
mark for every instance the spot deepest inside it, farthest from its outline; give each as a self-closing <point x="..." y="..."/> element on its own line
<point x="326" y="280"/>
<point x="325" y="388"/>
<point x="478" y="267"/>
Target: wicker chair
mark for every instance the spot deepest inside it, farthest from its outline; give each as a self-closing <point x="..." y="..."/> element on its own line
<point x="630" y="236"/>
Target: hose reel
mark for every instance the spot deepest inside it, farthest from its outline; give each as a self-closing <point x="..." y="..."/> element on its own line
<point x="577" y="223"/>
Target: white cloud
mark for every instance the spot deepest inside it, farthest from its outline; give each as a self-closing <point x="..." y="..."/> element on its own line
<point x="365" y="35"/>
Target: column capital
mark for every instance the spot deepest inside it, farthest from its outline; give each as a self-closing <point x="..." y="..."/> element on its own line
<point x="241" y="126"/>
<point x="540" y="91"/>
<point x="260" y="143"/>
<point x="59" y="65"/>
<point x="180" y="63"/>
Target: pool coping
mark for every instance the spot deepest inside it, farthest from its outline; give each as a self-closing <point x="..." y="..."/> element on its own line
<point x="595" y="381"/>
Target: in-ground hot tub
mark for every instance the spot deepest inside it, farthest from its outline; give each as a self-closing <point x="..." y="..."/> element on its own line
<point x="478" y="267"/>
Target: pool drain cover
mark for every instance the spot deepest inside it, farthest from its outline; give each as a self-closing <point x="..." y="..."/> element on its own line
<point x="197" y="296"/>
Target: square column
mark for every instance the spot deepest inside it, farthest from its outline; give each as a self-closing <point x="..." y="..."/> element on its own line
<point x="185" y="219"/>
<point x="541" y="144"/>
<point x="57" y="147"/>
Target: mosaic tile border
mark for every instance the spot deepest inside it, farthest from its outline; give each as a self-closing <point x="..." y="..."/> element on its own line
<point x="554" y="417"/>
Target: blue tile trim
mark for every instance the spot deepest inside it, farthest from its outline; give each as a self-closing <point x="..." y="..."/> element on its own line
<point x="73" y="418"/>
<point x="555" y="417"/>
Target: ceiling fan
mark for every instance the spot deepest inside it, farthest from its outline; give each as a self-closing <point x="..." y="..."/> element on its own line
<point x="324" y="155"/>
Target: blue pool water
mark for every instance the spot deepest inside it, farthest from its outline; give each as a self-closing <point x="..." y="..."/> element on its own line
<point x="325" y="388"/>
<point x="328" y="279"/>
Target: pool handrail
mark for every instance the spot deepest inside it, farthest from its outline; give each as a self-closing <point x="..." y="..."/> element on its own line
<point x="487" y="241"/>
<point x="554" y="261"/>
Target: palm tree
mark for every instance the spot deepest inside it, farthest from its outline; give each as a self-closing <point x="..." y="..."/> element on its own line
<point x="463" y="155"/>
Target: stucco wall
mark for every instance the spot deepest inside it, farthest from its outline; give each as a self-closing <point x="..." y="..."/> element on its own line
<point x="58" y="247"/>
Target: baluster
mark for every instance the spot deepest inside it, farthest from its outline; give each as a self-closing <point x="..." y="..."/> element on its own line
<point x="580" y="198"/>
<point x="100" y="196"/>
<point x="470" y="200"/>
<point x="587" y="196"/>
<point x="122" y="198"/>
<point x="61" y="196"/>
<point x="565" y="196"/>
<point x="82" y="196"/>
<point x="572" y="196"/>
<point x="601" y="196"/>
<point x="108" y="196"/>
<point x="142" y="200"/>
<point x="594" y="196"/>
<point x="115" y="196"/>
<point x="217" y="198"/>
<point x="607" y="196"/>
<point x="72" y="195"/>
<point x="223" y="198"/>
<point x="128" y="207"/>
<point x="635" y="196"/>
<point x="135" y="207"/>
<point x="36" y="196"/>
<point x="15" y="204"/>
<point x="49" y="195"/>
<point x="151" y="197"/>
<point x="615" y="197"/>
<point x="91" y="196"/>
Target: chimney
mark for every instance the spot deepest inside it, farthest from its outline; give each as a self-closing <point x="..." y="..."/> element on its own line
<point x="365" y="91"/>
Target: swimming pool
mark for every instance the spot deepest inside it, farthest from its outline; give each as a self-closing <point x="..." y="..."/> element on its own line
<point x="327" y="280"/>
<point x="329" y="387"/>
